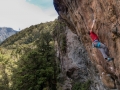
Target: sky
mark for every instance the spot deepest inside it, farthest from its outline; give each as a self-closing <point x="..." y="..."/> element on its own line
<point x="20" y="14"/>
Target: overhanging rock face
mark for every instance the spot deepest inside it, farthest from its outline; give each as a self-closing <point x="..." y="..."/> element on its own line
<point x="78" y="14"/>
<point x="75" y="64"/>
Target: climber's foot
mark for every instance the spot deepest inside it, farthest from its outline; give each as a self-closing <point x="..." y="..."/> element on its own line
<point x="110" y="59"/>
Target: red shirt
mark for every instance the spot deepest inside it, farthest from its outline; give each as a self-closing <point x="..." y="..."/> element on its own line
<point x="93" y="36"/>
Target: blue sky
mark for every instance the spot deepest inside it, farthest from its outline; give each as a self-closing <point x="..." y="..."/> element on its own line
<point x="24" y="13"/>
<point x="42" y="3"/>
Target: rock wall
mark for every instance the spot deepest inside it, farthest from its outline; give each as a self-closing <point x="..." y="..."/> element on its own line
<point x="78" y="15"/>
<point x="75" y="64"/>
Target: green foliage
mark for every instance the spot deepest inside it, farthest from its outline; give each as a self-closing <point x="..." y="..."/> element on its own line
<point x="63" y="45"/>
<point x="81" y="86"/>
<point x="29" y="58"/>
<point x="28" y="35"/>
<point x="37" y="69"/>
<point x="3" y="75"/>
<point x="3" y="78"/>
<point x="60" y="36"/>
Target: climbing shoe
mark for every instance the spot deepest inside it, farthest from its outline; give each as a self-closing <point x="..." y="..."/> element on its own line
<point x="110" y="59"/>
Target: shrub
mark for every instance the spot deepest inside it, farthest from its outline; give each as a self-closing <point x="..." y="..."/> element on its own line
<point x="81" y="86"/>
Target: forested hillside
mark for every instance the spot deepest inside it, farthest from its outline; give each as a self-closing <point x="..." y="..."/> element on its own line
<point x="28" y="60"/>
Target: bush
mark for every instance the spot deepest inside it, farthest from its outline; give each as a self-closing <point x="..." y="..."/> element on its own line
<point x="81" y="86"/>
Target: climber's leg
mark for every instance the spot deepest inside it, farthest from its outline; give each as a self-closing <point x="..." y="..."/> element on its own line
<point x="104" y="50"/>
<point x="103" y="53"/>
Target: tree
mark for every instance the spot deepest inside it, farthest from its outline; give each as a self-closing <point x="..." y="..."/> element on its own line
<point x="37" y="69"/>
<point x="4" y="83"/>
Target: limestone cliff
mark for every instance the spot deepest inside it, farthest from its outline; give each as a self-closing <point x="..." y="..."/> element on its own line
<point x="75" y="63"/>
<point x="78" y="15"/>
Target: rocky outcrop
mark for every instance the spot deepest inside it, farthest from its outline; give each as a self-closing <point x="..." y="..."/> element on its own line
<point x="6" y="32"/>
<point x="75" y="63"/>
<point x="78" y="15"/>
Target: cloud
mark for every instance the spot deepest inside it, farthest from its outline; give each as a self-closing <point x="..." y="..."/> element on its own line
<point x="21" y="14"/>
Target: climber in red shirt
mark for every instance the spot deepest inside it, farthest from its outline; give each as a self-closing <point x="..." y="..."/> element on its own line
<point x="96" y="43"/>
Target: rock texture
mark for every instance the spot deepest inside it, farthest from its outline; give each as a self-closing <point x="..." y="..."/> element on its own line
<point x="76" y="65"/>
<point x="6" y="32"/>
<point x="78" y="14"/>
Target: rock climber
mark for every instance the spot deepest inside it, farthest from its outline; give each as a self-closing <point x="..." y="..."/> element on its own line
<point x="96" y="43"/>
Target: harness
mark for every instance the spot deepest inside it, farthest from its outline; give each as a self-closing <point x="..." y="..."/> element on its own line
<point x="96" y="44"/>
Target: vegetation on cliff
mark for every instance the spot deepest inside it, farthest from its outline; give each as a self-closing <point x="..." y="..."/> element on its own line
<point x="81" y="86"/>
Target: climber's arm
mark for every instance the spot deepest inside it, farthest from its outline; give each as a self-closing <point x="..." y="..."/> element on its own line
<point x="91" y="29"/>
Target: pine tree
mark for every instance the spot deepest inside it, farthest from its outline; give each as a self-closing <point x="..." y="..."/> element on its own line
<point x="37" y="69"/>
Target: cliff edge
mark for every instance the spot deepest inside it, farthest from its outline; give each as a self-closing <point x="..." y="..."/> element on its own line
<point x="78" y="15"/>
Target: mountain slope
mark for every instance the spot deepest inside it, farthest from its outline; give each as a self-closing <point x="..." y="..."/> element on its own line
<point x="27" y="36"/>
<point x="18" y="46"/>
<point x="6" y="32"/>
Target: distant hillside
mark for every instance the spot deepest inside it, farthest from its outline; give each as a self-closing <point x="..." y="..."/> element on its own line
<point x="36" y="45"/>
<point x="6" y="32"/>
<point x="28" y="36"/>
<point x="19" y="46"/>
